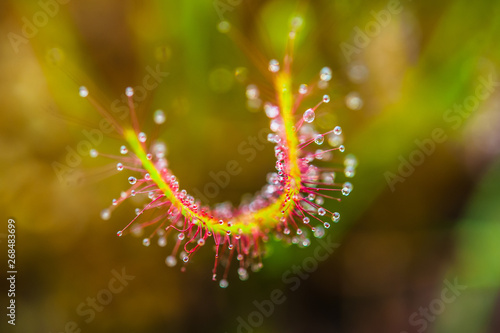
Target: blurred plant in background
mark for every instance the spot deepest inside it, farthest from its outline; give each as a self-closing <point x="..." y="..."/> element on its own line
<point x="421" y="81"/>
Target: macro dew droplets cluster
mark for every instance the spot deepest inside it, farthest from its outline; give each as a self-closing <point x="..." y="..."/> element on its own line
<point x="290" y="206"/>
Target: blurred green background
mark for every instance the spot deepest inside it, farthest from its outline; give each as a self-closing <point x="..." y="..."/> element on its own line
<point x="419" y="67"/>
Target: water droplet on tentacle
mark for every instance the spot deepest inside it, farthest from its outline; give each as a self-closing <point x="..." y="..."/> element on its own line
<point x="171" y="261"/>
<point x="336" y="217"/>
<point x="325" y="74"/>
<point x="83" y="92"/>
<point x="142" y="137"/>
<point x="309" y="116"/>
<point x="93" y="153"/>
<point x="223" y="283"/>
<point x="159" y="117"/>
<point x="274" y="66"/>
<point x="346" y="188"/>
<point x="319" y="139"/>
<point x="105" y="214"/>
<point x="129" y="91"/>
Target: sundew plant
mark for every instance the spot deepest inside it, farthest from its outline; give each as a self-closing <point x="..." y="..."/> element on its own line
<point x="310" y="168"/>
<point x="251" y="166"/>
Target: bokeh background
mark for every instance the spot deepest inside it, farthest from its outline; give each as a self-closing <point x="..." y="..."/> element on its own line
<point x="401" y="242"/>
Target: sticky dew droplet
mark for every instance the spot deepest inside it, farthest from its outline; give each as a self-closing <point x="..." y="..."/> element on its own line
<point x="83" y="92"/>
<point x="274" y="66"/>
<point x="346" y="188"/>
<point x="223" y="283"/>
<point x="93" y="153"/>
<point x="319" y="139"/>
<point x="159" y="117"/>
<point x="309" y="116"/>
<point x="105" y="214"/>
<point x="129" y="91"/>
<point x="162" y="241"/>
<point x="325" y="74"/>
<point x="224" y="27"/>
<point x="171" y="261"/>
<point x="335" y="217"/>
<point x="142" y="137"/>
